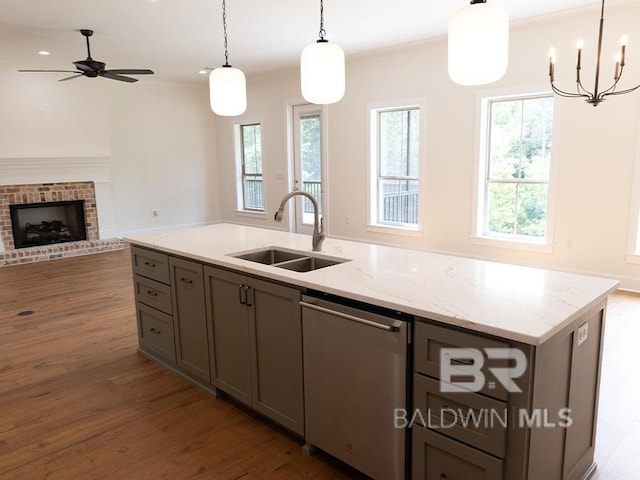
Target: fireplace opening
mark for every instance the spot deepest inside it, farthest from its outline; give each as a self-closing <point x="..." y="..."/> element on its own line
<point x="35" y="224"/>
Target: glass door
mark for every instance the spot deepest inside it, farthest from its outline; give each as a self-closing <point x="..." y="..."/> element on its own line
<point x="308" y="163"/>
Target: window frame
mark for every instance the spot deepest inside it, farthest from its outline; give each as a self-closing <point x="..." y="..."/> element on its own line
<point x="633" y="240"/>
<point x="373" y="165"/>
<point x="241" y="174"/>
<point x="480" y="217"/>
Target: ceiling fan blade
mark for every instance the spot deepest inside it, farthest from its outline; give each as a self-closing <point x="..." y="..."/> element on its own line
<point x="59" y="71"/>
<point x="115" y="76"/>
<point x="71" y="77"/>
<point x="132" y="71"/>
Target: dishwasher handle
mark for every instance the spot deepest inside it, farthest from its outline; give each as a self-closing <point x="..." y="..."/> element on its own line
<point x="353" y="318"/>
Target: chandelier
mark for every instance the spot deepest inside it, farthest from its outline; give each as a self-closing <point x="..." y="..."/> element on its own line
<point x="596" y="96"/>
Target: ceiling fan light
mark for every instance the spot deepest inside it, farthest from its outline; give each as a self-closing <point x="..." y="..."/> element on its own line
<point x="228" y="91"/>
<point x="478" y="44"/>
<point x="322" y="73"/>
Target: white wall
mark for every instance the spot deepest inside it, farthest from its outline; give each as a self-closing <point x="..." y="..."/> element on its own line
<point x="163" y="157"/>
<point x="595" y="147"/>
<point x="158" y="140"/>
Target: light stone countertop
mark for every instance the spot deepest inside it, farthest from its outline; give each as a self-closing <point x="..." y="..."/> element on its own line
<point x="519" y="303"/>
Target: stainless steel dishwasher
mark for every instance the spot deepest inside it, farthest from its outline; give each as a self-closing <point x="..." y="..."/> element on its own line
<point x="355" y="376"/>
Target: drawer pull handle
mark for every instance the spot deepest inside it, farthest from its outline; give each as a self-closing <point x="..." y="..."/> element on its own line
<point x="151" y="293"/>
<point x="458" y="361"/>
<point x="443" y="476"/>
<point x="246" y="295"/>
<point x="186" y="280"/>
<point x="243" y="301"/>
<point x="156" y="331"/>
<point x="150" y="264"/>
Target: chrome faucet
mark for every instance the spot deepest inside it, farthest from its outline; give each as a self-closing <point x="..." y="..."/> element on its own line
<point x="318" y="234"/>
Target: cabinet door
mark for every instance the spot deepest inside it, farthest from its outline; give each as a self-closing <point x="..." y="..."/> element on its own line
<point x="229" y="322"/>
<point x="190" y="317"/>
<point x="276" y="353"/>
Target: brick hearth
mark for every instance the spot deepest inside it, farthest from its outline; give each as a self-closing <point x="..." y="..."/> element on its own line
<point x="51" y="192"/>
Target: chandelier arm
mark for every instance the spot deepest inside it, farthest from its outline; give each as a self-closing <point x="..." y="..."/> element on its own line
<point x="628" y="90"/>
<point x="611" y="90"/>
<point x="583" y="91"/>
<point x="562" y="93"/>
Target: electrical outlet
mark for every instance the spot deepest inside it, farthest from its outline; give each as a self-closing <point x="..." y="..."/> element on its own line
<point x="583" y="333"/>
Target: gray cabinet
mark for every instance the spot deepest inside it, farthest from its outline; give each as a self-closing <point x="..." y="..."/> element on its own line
<point x="257" y="344"/>
<point x="229" y="322"/>
<point x="545" y="431"/>
<point x="436" y="457"/>
<point x="190" y="318"/>
<point x="171" y="312"/>
<point x="154" y="312"/>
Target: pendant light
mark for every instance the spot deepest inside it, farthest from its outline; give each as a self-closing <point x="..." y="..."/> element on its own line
<point x="227" y="85"/>
<point x="596" y="96"/>
<point x="322" y="69"/>
<point x="478" y="44"/>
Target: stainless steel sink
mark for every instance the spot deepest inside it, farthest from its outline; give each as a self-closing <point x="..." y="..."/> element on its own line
<point x="308" y="263"/>
<point x="270" y="256"/>
<point x="291" y="260"/>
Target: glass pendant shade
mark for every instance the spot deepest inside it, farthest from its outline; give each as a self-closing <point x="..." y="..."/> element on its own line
<point x="228" y="91"/>
<point x="322" y="73"/>
<point x="478" y="44"/>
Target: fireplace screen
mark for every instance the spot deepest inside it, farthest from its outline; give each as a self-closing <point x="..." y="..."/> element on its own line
<point x="35" y="224"/>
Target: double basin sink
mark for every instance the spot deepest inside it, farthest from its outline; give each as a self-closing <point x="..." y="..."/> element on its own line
<point x="297" y="261"/>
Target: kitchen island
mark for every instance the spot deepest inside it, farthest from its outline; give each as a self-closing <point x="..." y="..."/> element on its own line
<point x="555" y="319"/>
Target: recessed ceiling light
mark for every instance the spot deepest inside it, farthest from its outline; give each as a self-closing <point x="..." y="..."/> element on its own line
<point x="203" y="72"/>
<point x="43" y="52"/>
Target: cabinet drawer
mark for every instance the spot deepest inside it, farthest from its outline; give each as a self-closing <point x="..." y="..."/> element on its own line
<point x="469" y="417"/>
<point x="430" y="339"/>
<point x="155" y="332"/>
<point x="150" y="264"/>
<point x="436" y="457"/>
<point x="152" y="293"/>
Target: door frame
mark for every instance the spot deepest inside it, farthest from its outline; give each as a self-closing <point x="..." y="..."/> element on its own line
<point x="294" y="207"/>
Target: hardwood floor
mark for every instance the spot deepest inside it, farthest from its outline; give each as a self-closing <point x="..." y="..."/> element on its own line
<point x="78" y="402"/>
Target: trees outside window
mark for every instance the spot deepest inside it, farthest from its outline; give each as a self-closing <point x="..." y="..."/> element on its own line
<point x="397" y="166"/>
<point x="517" y="167"/>
<point x="251" y="167"/>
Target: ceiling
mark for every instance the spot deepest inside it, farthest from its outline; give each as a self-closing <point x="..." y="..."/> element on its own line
<point x="177" y="38"/>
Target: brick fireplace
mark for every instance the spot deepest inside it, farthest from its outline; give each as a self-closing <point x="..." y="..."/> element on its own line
<point x="51" y="192"/>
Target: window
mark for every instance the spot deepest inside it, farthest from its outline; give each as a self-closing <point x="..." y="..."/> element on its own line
<point x="515" y="168"/>
<point x="396" y="153"/>
<point x="251" y="185"/>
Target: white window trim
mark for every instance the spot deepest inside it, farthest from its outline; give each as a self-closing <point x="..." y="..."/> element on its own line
<point x="372" y="166"/>
<point x="633" y="237"/>
<point x="237" y="147"/>
<point x="289" y="105"/>
<point x="478" y="237"/>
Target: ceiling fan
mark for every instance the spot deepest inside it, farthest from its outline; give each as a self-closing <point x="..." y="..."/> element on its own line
<point x="93" y="68"/>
